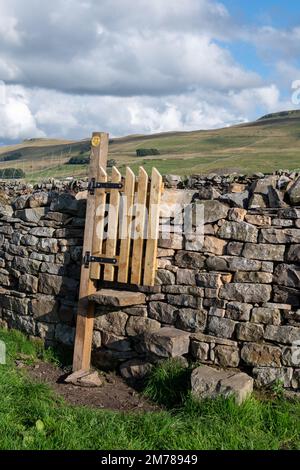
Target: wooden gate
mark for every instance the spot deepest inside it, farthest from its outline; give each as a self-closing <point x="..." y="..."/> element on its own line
<point x="121" y="236"/>
<point x="124" y="247"/>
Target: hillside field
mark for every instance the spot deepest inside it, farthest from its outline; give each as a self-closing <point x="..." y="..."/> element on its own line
<point x="271" y="143"/>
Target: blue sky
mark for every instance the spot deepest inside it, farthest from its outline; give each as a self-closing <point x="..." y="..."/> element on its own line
<point x="69" y="67"/>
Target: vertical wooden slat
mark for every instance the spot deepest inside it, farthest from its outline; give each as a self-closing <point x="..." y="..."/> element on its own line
<point x="138" y="244"/>
<point x="126" y="223"/>
<point x="98" y="237"/>
<point x="113" y="218"/>
<point x="86" y="309"/>
<point x="153" y="228"/>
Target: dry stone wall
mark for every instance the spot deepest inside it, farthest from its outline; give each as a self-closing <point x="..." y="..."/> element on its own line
<point x="232" y="301"/>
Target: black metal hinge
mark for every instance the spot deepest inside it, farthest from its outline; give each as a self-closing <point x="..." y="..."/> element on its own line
<point x="97" y="259"/>
<point x="93" y="185"/>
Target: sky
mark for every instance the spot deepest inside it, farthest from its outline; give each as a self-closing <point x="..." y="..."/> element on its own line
<point x="71" y="67"/>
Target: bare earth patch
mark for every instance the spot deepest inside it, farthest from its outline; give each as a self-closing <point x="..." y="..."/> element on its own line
<point x="115" y="394"/>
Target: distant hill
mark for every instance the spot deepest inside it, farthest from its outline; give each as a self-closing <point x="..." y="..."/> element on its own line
<point x="272" y="142"/>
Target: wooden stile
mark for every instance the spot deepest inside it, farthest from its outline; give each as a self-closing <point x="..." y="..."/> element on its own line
<point x="153" y="228"/>
<point x="113" y="218"/>
<point x="99" y="218"/>
<point x="86" y="309"/>
<point x="128" y="252"/>
<point x="139" y="233"/>
<point x="126" y="225"/>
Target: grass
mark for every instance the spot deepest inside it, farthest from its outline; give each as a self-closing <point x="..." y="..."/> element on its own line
<point x="33" y="417"/>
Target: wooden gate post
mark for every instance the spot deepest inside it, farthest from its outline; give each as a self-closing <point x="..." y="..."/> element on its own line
<point x="86" y="309"/>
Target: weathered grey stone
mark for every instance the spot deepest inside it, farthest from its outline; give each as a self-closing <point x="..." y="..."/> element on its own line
<point x="289" y="213"/>
<point x="280" y="236"/>
<point x="235" y="248"/>
<point x="174" y="242"/>
<point x="164" y="277"/>
<point x="282" y="223"/>
<point x="265" y="252"/>
<point x="135" y="369"/>
<point x="117" y="343"/>
<point x="189" y="290"/>
<point x="31" y="215"/>
<point x="236" y="199"/>
<point x="21" y="201"/>
<point x="238" y="311"/>
<point x="137" y="311"/>
<point x="51" y="268"/>
<point x="249" y="293"/>
<point x="165" y="253"/>
<point x="184" y="300"/>
<point x="262" y="355"/>
<point x="199" y="351"/>
<point x="267" y="267"/>
<point x="240" y="231"/>
<point x="26" y="265"/>
<point x="207" y="382"/>
<point x="46" y="331"/>
<point x="217" y="312"/>
<point x="227" y="356"/>
<point x="65" y="334"/>
<point x="239" y="385"/>
<point x="39" y="199"/>
<point x="213" y="210"/>
<point x="139" y="325"/>
<point x="209" y="244"/>
<point x="263" y="185"/>
<point x="167" y="342"/>
<point x="287" y="295"/>
<point x="253" y="277"/>
<point x="186" y="277"/>
<point x="294" y="193"/>
<point x="28" y="283"/>
<point x="282" y="334"/>
<point x="97" y="340"/>
<point x="293" y="254"/>
<point x="50" y="285"/>
<point x="191" y="320"/>
<point x="16" y="305"/>
<point x="162" y="312"/>
<point x="237" y="214"/>
<point x="223" y="327"/>
<point x="188" y="259"/>
<point x="45" y="232"/>
<point x="250" y="332"/>
<point x="65" y="203"/>
<point x="291" y="356"/>
<point x="287" y="275"/>
<point x="258" y="219"/>
<point x="112" y="322"/>
<point x="48" y="245"/>
<point x="42" y="257"/>
<point x="258" y="201"/>
<point x="266" y="376"/>
<point x="267" y="316"/>
<point x="211" y="280"/>
<point x="4" y="278"/>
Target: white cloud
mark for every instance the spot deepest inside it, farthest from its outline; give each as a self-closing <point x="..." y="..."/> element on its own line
<point x="73" y="66"/>
<point x="16" y="119"/>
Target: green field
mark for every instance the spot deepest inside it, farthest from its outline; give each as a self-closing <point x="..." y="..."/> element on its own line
<point x="33" y="417"/>
<point x="269" y="144"/>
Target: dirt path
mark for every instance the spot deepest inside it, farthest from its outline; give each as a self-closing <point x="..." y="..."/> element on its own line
<point x="115" y="394"/>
